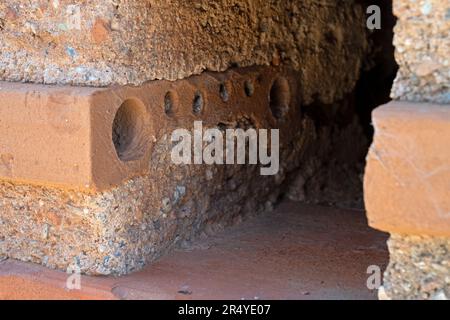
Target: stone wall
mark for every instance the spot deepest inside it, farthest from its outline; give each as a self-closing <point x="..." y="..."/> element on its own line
<point x="120" y="228"/>
<point x="419" y="259"/>
<point x="419" y="268"/>
<point x="322" y="50"/>
<point x="422" y="51"/>
<point x="129" y="42"/>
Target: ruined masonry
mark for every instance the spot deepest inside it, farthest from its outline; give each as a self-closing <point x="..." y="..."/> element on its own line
<point x="407" y="180"/>
<point x="87" y="179"/>
<point x="90" y="94"/>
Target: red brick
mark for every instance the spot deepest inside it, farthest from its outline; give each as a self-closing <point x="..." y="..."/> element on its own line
<point x="407" y="179"/>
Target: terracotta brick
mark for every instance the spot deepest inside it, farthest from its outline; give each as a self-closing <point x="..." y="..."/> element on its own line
<point x="62" y="136"/>
<point x="407" y="180"/>
<point x="52" y="135"/>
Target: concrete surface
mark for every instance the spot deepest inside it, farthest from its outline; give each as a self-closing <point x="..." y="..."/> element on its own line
<point x="108" y="42"/>
<point x="419" y="267"/>
<point x="296" y="252"/>
<point x="422" y="50"/>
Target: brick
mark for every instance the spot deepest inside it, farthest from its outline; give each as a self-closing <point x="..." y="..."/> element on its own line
<point x="407" y="179"/>
<point x="63" y="136"/>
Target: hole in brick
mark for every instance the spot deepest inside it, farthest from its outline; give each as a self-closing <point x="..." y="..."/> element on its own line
<point x="128" y="131"/>
<point x="170" y="101"/>
<point x="224" y="93"/>
<point x="249" y="88"/>
<point x="197" y="104"/>
<point x="279" y="97"/>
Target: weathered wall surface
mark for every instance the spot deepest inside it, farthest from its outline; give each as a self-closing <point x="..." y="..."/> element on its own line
<point x="419" y="258"/>
<point x="419" y="268"/>
<point x="129" y="42"/>
<point x="120" y="229"/>
<point x="422" y="50"/>
<point x="325" y="44"/>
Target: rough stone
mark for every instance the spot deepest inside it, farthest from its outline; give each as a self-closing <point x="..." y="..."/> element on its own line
<point x="130" y="42"/>
<point x="419" y="268"/>
<point x="407" y="175"/>
<point x="422" y="50"/>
